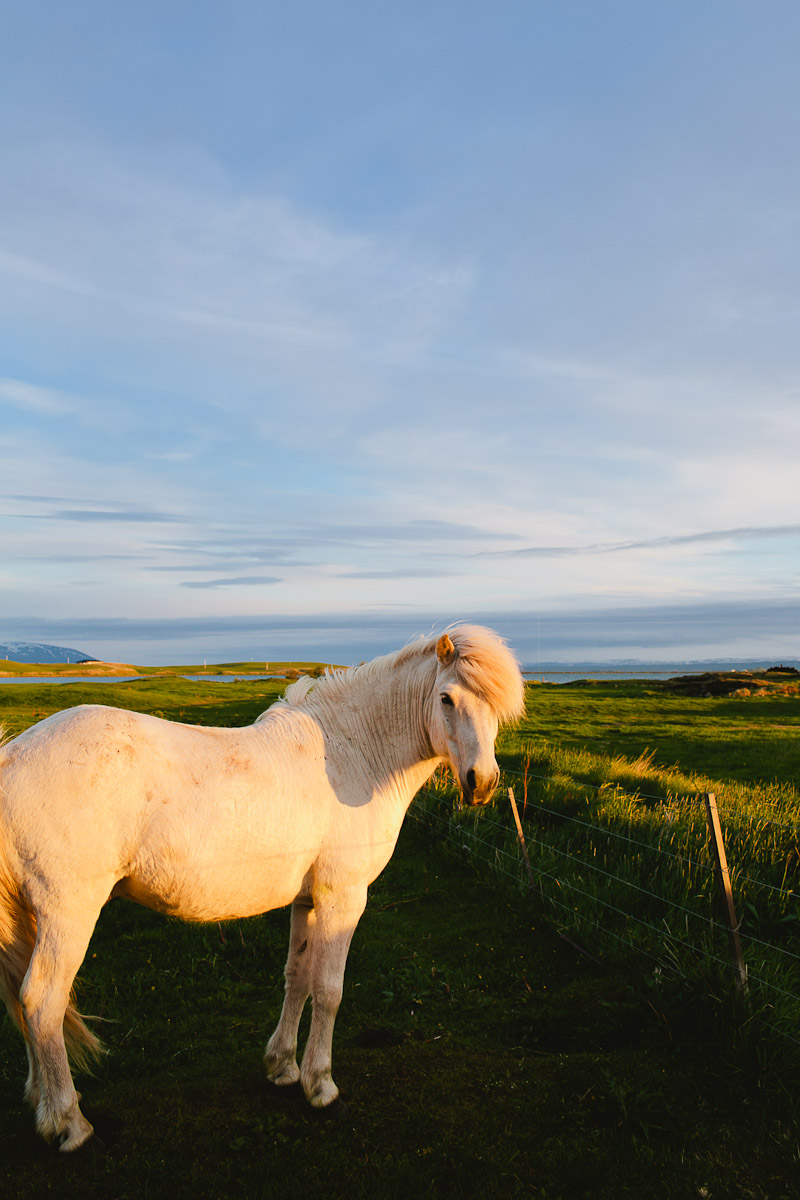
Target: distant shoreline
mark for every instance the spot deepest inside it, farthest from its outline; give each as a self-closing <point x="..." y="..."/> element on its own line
<point x="555" y="669"/>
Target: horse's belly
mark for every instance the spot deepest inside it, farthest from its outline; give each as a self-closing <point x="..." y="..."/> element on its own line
<point x="209" y="884"/>
<point x="211" y="903"/>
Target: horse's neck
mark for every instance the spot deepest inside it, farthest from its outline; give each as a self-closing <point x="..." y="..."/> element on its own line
<point x="386" y="728"/>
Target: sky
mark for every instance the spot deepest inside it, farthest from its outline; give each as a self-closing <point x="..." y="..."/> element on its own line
<point x="325" y="325"/>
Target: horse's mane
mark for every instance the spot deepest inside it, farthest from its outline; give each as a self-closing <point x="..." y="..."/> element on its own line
<point x="483" y="662"/>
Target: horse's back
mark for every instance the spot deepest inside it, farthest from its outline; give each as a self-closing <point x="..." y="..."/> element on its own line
<point x="66" y="761"/>
<point x="202" y="822"/>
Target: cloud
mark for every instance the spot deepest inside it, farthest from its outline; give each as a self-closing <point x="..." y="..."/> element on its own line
<point x="126" y="243"/>
<point x="101" y="515"/>
<point x="235" y="560"/>
<point x="398" y="573"/>
<point x="68" y="559"/>
<point x="315" y="544"/>
<point x="700" y="628"/>
<point x="240" y="581"/>
<point x="428" y="530"/>
<point x="745" y="533"/>
<point x="96" y="515"/>
<point x="337" y="344"/>
<point x="34" y="398"/>
<point x="745" y="628"/>
<point x="33" y="271"/>
<point x="38" y="499"/>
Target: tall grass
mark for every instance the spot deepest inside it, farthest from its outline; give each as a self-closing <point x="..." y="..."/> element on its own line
<point x="620" y="853"/>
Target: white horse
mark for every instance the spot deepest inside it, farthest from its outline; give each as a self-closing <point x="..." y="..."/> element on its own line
<point x="303" y="807"/>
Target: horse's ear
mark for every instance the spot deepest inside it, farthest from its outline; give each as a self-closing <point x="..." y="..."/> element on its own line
<point x="445" y="650"/>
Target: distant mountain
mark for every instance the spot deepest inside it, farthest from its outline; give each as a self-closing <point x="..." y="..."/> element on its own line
<point x="38" y="652"/>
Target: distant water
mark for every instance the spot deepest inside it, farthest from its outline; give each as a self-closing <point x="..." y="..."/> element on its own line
<point x="568" y="672"/>
<point x="123" y="678"/>
<point x="547" y="672"/>
<point x="67" y="678"/>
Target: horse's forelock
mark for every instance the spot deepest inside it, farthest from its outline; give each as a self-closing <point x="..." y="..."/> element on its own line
<point x="483" y="663"/>
<point x="486" y="665"/>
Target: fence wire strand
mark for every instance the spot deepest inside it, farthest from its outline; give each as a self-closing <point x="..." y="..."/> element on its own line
<point x="664" y="935"/>
<point x="638" y="794"/>
<point x="562" y="883"/>
<point x="538" y="807"/>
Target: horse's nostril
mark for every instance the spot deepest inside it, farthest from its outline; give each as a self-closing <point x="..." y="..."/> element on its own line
<point x="471" y="780"/>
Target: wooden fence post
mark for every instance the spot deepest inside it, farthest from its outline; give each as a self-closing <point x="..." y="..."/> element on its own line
<point x="520" y="835"/>
<point x="724" y="884"/>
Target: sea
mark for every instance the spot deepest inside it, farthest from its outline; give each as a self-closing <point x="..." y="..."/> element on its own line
<point x="67" y="679"/>
<point x="554" y="672"/>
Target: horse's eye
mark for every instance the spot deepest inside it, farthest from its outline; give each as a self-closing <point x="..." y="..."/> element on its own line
<point x="447" y="700"/>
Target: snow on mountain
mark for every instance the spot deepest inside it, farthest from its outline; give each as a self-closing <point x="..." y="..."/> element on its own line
<point x="40" y="652"/>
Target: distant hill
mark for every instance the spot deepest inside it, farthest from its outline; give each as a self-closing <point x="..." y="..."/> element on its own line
<point x="39" y="652"/>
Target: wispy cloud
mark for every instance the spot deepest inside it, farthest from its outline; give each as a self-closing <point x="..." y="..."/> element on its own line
<point x="239" y="581"/>
<point x="69" y="559"/>
<point x="741" y="534"/>
<point x="383" y="354"/>
<point x="241" y="268"/>
<point x="34" y="271"/>
<point x="99" y="515"/>
<point x="33" y="398"/>
<point x="399" y="573"/>
<point x="720" y="628"/>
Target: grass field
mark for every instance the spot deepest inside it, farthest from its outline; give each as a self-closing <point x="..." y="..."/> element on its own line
<point x="13" y="669"/>
<point x="481" y="1053"/>
<point x="609" y="778"/>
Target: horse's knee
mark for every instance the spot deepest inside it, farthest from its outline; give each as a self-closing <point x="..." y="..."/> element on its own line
<point x="327" y="996"/>
<point x="43" y="995"/>
<point x="295" y="972"/>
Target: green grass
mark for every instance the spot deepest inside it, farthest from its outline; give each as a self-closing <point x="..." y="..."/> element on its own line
<point x="480" y="1052"/>
<point x="480" y="1055"/>
<point x="609" y="778"/>
<point x="749" y="739"/>
<point x="100" y="669"/>
<point x="176" y="699"/>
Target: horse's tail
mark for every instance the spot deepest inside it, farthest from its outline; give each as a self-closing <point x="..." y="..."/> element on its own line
<point x="17" y="941"/>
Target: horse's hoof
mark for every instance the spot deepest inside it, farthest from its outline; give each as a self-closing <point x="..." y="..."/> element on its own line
<point x="286" y="1078"/>
<point x="92" y="1145"/>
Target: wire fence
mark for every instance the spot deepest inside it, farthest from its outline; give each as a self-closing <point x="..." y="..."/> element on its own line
<point x="624" y="869"/>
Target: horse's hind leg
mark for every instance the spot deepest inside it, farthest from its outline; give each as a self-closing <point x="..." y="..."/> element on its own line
<point x="60" y="947"/>
<point x="280" y="1057"/>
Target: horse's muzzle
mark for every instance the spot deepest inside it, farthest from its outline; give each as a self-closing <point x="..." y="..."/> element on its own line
<point x="477" y="788"/>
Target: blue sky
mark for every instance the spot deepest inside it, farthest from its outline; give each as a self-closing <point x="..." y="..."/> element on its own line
<point x="321" y="325"/>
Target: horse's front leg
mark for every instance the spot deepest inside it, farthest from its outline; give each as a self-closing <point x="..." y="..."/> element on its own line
<point x="337" y="914"/>
<point x="280" y="1057"/>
